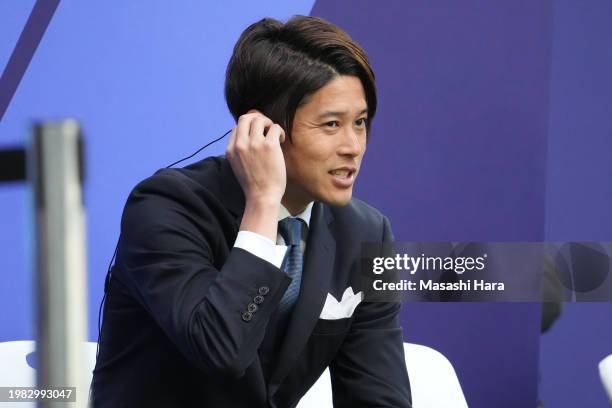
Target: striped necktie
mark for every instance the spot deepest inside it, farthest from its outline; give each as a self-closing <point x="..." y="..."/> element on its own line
<point x="291" y="231"/>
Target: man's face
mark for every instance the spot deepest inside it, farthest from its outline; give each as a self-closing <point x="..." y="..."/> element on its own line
<point x="328" y="143"/>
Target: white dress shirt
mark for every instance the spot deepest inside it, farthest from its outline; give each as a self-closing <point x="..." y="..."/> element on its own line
<point x="265" y="248"/>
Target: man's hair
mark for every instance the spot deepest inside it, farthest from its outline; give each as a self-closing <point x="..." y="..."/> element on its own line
<point x="275" y="66"/>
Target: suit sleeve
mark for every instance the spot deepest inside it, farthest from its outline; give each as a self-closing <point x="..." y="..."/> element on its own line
<point x="370" y="369"/>
<point x="215" y="317"/>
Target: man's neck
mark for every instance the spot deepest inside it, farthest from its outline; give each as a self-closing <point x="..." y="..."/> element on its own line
<point x="294" y="208"/>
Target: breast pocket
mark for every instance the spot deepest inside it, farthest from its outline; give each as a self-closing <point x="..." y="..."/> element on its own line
<point x="331" y="327"/>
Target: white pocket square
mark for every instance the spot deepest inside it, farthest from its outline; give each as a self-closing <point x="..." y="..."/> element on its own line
<point x="334" y="310"/>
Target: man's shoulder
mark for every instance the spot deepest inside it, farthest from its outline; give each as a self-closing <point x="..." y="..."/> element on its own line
<point x="181" y="199"/>
<point x="199" y="187"/>
<point x="206" y="173"/>
<point x="208" y="178"/>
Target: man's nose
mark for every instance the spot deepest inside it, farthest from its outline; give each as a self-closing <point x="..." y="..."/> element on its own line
<point x="350" y="143"/>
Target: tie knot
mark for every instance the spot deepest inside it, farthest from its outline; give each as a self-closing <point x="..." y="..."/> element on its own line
<point x="291" y="230"/>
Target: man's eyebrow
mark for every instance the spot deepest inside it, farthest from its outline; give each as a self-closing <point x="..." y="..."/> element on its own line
<point x="338" y="113"/>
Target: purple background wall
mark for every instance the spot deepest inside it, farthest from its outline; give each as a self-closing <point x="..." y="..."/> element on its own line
<point x="579" y="192"/>
<point x="458" y="153"/>
<point x="495" y="123"/>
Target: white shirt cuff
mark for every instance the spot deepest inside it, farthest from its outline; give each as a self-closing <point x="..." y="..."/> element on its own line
<point x="261" y="247"/>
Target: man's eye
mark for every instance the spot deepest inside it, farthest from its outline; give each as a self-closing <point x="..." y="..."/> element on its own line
<point x="333" y="123"/>
<point x="361" y="122"/>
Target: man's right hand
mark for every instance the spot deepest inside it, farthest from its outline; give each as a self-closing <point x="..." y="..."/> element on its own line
<point x="255" y="154"/>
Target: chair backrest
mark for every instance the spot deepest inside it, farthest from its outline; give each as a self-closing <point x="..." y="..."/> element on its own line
<point x="605" y="373"/>
<point x="16" y="372"/>
<point x="433" y="382"/>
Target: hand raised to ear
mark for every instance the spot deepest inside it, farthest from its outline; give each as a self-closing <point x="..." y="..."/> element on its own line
<point x="256" y="157"/>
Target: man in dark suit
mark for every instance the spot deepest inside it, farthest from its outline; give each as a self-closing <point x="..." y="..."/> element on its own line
<point x="236" y="278"/>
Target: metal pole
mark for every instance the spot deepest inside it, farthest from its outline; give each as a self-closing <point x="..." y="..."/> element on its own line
<point x="55" y="169"/>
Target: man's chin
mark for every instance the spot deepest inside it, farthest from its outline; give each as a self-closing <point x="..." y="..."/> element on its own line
<point x="337" y="201"/>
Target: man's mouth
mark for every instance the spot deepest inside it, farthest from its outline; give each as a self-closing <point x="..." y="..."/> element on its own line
<point x="343" y="177"/>
<point x="342" y="173"/>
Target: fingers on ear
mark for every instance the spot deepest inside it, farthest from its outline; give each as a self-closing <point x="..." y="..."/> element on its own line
<point x="277" y="132"/>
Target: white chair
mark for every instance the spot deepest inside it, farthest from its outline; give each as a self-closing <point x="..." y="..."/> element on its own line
<point x="433" y="382"/>
<point x="605" y="373"/>
<point x="15" y="371"/>
<point x="433" y="379"/>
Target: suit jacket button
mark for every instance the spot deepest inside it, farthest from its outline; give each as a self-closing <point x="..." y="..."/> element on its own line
<point x="252" y="307"/>
<point x="247" y="316"/>
<point x="264" y="290"/>
<point x="258" y="300"/>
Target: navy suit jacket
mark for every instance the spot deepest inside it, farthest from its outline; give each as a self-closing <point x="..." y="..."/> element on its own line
<point x="175" y="334"/>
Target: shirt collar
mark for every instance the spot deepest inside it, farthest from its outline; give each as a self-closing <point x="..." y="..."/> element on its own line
<point x="304" y="215"/>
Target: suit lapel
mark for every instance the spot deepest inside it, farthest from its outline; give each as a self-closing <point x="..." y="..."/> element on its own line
<point x="316" y="276"/>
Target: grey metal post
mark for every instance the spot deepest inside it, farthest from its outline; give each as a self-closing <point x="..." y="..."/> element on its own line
<point x="55" y="169"/>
